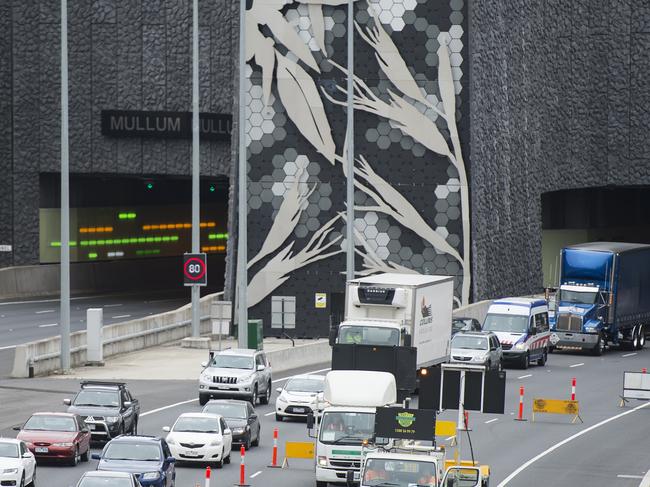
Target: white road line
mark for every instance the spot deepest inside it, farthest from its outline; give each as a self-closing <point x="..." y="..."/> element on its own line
<point x="45" y="311"/>
<point x="625" y="476"/>
<point x="120" y="316"/>
<point x="287" y="378"/>
<point x="112" y="305"/>
<point x="576" y="365"/>
<point x="255" y="474"/>
<point x="450" y="438"/>
<point x="492" y="420"/>
<point x="9" y="347"/>
<point x="525" y="376"/>
<point x="567" y="440"/>
<point x="48" y="325"/>
<point x="270" y="414"/>
<point x="629" y="354"/>
<point x="646" y="480"/>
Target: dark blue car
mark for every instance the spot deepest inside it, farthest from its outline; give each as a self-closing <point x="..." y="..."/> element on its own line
<point x="147" y="456"/>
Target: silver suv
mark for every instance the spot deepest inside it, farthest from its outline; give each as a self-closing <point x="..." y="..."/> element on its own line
<point x="236" y="374"/>
<point x="478" y="348"/>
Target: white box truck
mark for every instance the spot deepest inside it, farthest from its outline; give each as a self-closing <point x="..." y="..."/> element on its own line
<point x="398" y="310"/>
<point x="349" y="418"/>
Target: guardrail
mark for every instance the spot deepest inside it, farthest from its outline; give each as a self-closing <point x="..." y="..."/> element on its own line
<point x="43" y="356"/>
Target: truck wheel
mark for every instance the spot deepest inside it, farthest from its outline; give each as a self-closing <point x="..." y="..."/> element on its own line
<point x="641" y="337"/>
<point x="525" y="361"/>
<point x="599" y="349"/>
<point x="542" y="360"/>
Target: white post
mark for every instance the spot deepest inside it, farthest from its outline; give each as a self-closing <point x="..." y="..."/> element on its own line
<point x="196" y="168"/>
<point x="95" y="335"/>
<point x="461" y="416"/>
<point x="349" y="234"/>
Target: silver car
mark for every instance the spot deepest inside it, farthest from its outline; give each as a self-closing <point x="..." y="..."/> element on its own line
<point x="236" y="374"/>
<point x="477" y="348"/>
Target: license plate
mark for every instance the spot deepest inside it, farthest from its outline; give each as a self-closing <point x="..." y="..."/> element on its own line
<point x="298" y="410"/>
<point x="42" y="449"/>
<point x="223" y="388"/>
<point x="91" y="426"/>
<point x="190" y="453"/>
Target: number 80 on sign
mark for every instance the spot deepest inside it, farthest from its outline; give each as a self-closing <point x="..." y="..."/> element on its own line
<point x="195" y="270"/>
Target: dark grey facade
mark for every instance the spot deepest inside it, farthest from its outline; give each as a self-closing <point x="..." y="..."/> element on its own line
<point x="559" y="100"/>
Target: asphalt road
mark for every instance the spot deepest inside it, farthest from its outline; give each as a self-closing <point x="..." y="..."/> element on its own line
<point x="26" y="321"/>
<point x="605" y="452"/>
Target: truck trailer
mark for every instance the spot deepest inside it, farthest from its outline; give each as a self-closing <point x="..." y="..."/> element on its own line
<point x="603" y="296"/>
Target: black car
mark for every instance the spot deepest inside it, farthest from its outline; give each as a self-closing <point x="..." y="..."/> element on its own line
<point x="465" y="324"/>
<point x="241" y="419"/>
<point x="108" y="408"/>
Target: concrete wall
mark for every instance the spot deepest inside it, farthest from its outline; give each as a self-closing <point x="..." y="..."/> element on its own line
<point x="559" y="99"/>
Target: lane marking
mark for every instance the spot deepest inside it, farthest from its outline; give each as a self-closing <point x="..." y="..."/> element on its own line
<point x="629" y="354"/>
<point x="45" y="311"/>
<point x="492" y="420"/>
<point x="48" y="325"/>
<point x="576" y="365"/>
<point x="525" y="376"/>
<point x="568" y="440"/>
<point x="625" y="476"/>
<point x="120" y="316"/>
<point x="450" y="438"/>
<point x="270" y="414"/>
<point x="112" y="305"/>
<point x="255" y="474"/>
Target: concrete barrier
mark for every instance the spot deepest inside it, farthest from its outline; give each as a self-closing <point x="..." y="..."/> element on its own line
<point x="476" y="310"/>
<point x="45" y="355"/>
<point x="301" y="355"/>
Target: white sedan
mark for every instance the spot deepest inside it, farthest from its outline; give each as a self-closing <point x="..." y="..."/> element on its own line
<point x="200" y="437"/>
<point x="301" y="395"/>
<point x="17" y="463"/>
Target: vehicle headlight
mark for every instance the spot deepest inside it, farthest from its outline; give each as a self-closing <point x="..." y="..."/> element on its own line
<point x="64" y="444"/>
<point x="216" y="443"/>
<point x="238" y="431"/>
<point x="10" y="470"/>
<point x="281" y="398"/>
<point x="206" y="377"/>
<point x="150" y="476"/>
<point x="244" y="378"/>
<point x="112" y="419"/>
<point x="520" y="346"/>
<point x="171" y="441"/>
<point x="322" y="461"/>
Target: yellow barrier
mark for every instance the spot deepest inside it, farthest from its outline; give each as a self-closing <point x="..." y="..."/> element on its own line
<point x="445" y="428"/>
<point x="485" y="469"/>
<point x="298" y="449"/>
<point x="557" y="406"/>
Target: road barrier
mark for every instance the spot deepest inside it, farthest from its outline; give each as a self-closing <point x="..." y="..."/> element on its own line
<point x="520" y="416"/>
<point x="636" y="385"/>
<point x="208" y="472"/>
<point x="573" y="389"/>
<point x="274" y="456"/>
<point x="557" y="406"/>
<point x="242" y="468"/>
<point x="299" y="450"/>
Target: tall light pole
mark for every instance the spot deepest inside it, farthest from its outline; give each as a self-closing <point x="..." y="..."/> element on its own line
<point x="65" y="196"/>
<point x="196" y="168"/>
<point x="242" y="191"/>
<point x="349" y="234"/>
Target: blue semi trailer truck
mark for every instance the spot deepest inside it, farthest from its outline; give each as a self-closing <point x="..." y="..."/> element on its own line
<point x="603" y="297"/>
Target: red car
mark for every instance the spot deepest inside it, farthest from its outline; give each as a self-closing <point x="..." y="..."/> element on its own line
<point x="57" y="436"/>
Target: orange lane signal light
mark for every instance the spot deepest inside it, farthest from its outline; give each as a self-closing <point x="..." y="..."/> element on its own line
<point x="174" y="226"/>
<point x="95" y="229"/>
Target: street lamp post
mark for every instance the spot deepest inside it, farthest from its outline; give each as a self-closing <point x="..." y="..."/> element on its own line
<point x="196" y="167"/>
<point x="349" y="234"/>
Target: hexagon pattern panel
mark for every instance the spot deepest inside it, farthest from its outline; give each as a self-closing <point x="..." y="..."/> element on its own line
<point x="411" y="124"/>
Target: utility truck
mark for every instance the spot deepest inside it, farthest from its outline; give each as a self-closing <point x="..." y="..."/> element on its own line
<point x="398" y="323"/>
<point x="603" y="297"/>
<point x="348" y="420"/>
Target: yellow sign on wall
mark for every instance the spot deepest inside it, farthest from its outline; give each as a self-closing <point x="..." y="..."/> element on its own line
<point x="557" y="406"/>
<point x="321" y="300"/>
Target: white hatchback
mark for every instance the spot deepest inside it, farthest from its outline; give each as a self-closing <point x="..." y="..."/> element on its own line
<point x="301" y="395"/>
<point x="200" y="438"/>
<point x="17" y="463"/>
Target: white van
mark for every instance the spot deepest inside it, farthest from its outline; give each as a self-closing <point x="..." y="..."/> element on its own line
<point x="522" y="327"/>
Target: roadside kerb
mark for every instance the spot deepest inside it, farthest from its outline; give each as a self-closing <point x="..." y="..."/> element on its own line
<point x="44" y="355"/>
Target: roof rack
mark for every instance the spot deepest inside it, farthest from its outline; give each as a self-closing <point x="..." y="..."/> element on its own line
<point x="85" y="383"/>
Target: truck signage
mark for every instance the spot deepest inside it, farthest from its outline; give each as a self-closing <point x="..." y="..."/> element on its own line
<point x="409" y="424"/>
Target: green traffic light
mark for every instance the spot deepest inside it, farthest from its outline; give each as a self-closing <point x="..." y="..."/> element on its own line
<point x="149" y="185"/>
<point x="212" y="188"/>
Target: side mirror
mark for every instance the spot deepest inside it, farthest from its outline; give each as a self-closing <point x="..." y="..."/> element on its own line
<point x="28" y="455"/>
<point x="261" y="367"/>
<point x="227" y="431"/>
<point x="166" y="429"/>
<point x="16" y="428"/>
<point x="349" y="478"/>
<point x="204" y="364"/>
<point x="96" y="456"/>
<point x="407" y="340"/>
<point x="171" y="460"/>
<point x="278" y="390"/>
<point x="334" y="334"/>
<point x="253" y="417"/>
<point x="310" y="421"/>
<point x="127" y="404"/>
<point x="67" y="402"/>
<point x="533" y="330"/>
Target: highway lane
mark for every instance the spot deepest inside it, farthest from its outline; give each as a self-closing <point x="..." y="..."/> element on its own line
<point x="29" y="320"/>
<point x="597" y="458"/>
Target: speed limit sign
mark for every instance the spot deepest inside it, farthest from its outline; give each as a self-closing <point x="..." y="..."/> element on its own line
<point x="195" y="270"/>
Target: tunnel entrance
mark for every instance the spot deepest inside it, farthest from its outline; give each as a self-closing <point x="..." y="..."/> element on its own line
<point x="615" y="214"/>
<point x="132" y="231"/>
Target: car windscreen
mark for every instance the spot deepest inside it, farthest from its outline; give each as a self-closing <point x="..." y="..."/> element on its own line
<point x="227" y="410"/>
<point x="346" y="428"/>
<point x="105" y="482"/>
<point x="8" y="450"/>
<point x="469" y="342"/>
<point x="50" y="423"/>
<point x="190" y="424"/>
<point x="109" y="399"/>
<point x="131" y="450"/>
<point x="506" y="323"/>
<point x="305" y="385"/>
<point x="577" y="297"/>
<point x="232" y="362"/>
<point x="399" y="473"/>
<point x="368" y="335"/>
